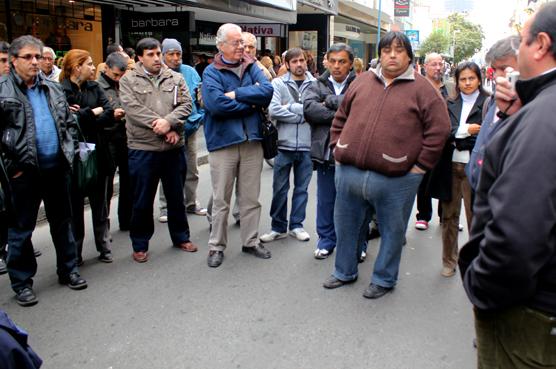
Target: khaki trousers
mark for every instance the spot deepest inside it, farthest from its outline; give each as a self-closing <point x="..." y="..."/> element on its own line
<point x="461" y="189"/>
<point x="243" y="162"/>
<point x="192" y="177"/>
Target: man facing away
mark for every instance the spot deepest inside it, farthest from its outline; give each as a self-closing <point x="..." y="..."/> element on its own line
<point x="38" y="150"/>
<point x="322" y="100"/>
<point x="234" y="92"/>
<point x="294" y="149"/>
<point x="172" y="54"/>
<point x="509" y="264"/>
<point x="434" y="68"/>
<point x="389" y="130"/>
<point x="157" y="103"/>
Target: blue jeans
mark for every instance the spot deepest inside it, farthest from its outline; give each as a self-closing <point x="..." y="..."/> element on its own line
<point x="326" y="198"/>
<point x="302" y="171"/>
<point x="146" y="169"/>
<point x="359" y="192"/>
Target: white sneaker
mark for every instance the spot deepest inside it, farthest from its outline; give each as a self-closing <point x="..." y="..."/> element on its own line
<point x="300" y="234"/>
<point x="272" y="236"/>
<point x="321" y="254"/>
<point x="163" y="219"/>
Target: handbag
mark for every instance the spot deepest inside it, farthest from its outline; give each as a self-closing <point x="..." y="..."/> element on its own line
<point x="85" y="170"/>
<point x="270" y="138"/>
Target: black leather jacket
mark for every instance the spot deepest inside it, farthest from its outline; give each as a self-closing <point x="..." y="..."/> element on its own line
<point x="510" y="259"/>
<point x="320" y="103"/>
<point x="17" y="128"/>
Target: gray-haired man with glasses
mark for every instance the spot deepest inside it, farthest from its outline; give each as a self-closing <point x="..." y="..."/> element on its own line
<point x="234" y="91"/>
<point x="38" y="150"/>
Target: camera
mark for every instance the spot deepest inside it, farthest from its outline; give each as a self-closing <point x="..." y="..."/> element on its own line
<point x="512" y="77"/>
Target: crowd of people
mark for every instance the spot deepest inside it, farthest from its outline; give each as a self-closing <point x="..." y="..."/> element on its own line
<point x="376" y="140"/>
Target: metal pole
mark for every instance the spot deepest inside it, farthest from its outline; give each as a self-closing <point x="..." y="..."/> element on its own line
<point x="379" y="27"/>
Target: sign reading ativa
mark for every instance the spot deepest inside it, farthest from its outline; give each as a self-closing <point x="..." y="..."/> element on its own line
<point x="153" y="22"/>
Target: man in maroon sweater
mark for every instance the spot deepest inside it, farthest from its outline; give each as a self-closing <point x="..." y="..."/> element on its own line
<point x="389" y="130"/>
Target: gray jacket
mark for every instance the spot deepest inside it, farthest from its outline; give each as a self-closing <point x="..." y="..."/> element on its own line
<point x="294" y="133"/>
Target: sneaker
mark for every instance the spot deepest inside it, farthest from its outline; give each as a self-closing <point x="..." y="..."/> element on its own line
<point x="26" y="297"/>
<point x="197" y="210"/>
<point x="300" y="234"/>
<point x="272" y="236"/>
<point x="422" y="225"/>
<point x="163" y="218"/>
<point x="106" y="257"/>
<point x="322" y="254"/>
<point x="448" y="272"/>
<point x="363" y="256"/>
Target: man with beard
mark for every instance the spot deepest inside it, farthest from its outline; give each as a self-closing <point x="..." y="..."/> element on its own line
<point x="294" y="149"/>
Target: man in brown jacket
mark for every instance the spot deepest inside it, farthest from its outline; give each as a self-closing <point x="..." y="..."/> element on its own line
<point x="389" y="130"/>
<point x="157" y="102"/>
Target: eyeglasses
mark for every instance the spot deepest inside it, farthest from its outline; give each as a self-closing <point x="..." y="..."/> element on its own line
<point x="29" y="57"/>
<point x="235" y="43"/>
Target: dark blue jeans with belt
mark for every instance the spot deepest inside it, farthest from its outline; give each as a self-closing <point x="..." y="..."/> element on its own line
<point x="146" y="169"/>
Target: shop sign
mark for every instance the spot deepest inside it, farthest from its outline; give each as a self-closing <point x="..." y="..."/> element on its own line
<point x="263" y="29"/>
<point x="78" y="25"/>
<point x="412" y="35"/>
<point x="135" y="21"/>
<point x="207" y="39"/>
<point x="351" y="28"/>
<point x="401" y="8"/>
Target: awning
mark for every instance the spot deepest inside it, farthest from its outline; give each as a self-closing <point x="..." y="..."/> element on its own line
<point x="281" y="11"/>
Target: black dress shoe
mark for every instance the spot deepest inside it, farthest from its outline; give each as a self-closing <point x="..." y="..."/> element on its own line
<point x="375" y="291"/>
<point x="333" y="282"/>
<point x="26" y="297"/>
<point x="37" y="253"/>
<point x="74" y="281"/>
<point x="257" y="251"/>
<point x="106" y="257"/>
<point x="215" y="258"/>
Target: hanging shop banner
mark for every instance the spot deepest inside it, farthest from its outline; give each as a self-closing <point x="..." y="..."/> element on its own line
<point x="401" y="8"/>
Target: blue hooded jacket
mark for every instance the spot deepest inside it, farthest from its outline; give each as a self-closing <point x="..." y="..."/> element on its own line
<point x="232" y="121"/>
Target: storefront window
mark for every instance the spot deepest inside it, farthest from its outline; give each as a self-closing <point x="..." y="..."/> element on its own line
<point x="306" y="40"/>
<point x="60" y="25"/>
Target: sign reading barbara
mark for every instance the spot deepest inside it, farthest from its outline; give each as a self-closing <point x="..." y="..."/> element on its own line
<point x="401" y="8"/>
<point x="264" y="29"/>
<point x="133" y="21"/>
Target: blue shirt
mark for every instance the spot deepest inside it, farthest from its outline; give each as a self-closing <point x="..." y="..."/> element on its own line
<point x="46" y="134"/>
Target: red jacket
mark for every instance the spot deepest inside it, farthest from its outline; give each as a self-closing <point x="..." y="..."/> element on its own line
<point x="388" y="129"/>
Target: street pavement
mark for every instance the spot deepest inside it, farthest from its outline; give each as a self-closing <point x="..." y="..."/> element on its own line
<point x="174" y="312"/>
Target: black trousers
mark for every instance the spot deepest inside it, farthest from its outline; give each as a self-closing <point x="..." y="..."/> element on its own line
<point x="424" y="201"/>
<point x="52" y="186"/>
<point x="118" y="152"/>
<point x="99" y="213"/>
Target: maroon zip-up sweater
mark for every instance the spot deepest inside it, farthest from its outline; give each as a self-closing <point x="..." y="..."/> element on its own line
<point x="388" y="129"/>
